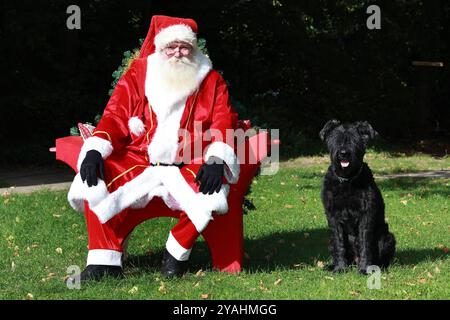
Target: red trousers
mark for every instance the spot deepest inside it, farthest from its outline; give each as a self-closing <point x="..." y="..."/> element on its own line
<point x="106" y="240"/>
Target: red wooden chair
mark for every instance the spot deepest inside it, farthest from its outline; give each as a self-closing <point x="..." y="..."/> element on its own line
<point x="224" y="234"/>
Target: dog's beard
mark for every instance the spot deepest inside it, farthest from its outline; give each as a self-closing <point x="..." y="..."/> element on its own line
<point x="347" y="167"/>
<point x="179" y="74"/>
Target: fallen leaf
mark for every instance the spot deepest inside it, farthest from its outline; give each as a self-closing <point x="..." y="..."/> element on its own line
<point x="298" y="265"/>
<point x="196" y="284"/>
<point x="404" y="202"/>
<point x="277" y="282"/>
<point x="288" y="206"/>
<point x="320" y="264"/>
<point x="204" y="296"/>
<point x="56" y="216"/>
<point x="162" y="287"/>
<point x="59" y="250"/>
<point x="30" y="296"/>
<point x="133" y="290"/>
<point x="329" y="278"/>
<point x="355" y="293"/>
<point x="437" y="270"/>
<point x="423" y="281"/>
<point x="200" y="273"/>
<point x="429" y="275"/>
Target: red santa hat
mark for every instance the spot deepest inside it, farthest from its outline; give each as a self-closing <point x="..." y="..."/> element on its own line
<point x="164" y="30"/>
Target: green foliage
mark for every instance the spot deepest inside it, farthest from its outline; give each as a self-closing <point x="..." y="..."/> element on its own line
<point x="74" y="131"/>
<point x="128" y="58"/>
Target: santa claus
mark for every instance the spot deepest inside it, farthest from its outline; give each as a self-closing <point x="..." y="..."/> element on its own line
<point x="161" y="142"/>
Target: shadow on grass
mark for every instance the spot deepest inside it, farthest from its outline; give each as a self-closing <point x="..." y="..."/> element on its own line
<point x="423" y="187"/>
<point x="288" y="250"/>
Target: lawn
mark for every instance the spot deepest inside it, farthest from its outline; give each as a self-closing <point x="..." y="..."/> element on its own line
<point x="285" y="243"/>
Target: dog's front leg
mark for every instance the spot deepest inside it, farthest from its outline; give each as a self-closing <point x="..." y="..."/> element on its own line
<point x="365" y="230"/>
<point x="337" y="246"/>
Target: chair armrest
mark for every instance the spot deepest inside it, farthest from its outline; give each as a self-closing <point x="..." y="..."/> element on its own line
<point x="68" y="149"/>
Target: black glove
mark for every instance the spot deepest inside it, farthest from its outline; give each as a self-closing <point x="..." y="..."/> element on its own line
<point x="89" y="166"/>
<point x="210" y="176"/>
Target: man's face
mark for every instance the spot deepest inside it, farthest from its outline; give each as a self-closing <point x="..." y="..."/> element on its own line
<point x="178" y="49"/>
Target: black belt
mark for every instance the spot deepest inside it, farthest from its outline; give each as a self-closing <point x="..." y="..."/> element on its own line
<point x="178" y="165"/>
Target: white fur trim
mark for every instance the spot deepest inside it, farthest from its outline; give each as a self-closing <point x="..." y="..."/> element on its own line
<point x="95" y="143"/>
<point x="168" y="105"/>
<point x="80" y="191"/>
<point x="164" y="145"/>
<point x="198" y="206"/>
<point x="180" y="32"/>
<point x="226" y="153"/>
<point x="177" y="250"/>
<point x="136" y="126"/>
<point x="165" y="182"/>
<point x="138" y="191"/>
<point x="104" y="257"/>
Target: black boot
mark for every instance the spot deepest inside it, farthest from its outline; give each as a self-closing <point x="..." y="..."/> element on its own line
<point x="97" y="272"/>
<point x="172" y="267"/>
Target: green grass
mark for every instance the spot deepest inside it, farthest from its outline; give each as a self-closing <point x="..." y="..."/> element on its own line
<point x="285" y="244"/>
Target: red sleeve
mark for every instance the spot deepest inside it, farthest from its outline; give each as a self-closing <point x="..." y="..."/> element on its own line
<point x="113" y="125"/>
<point x="224" y="117"/>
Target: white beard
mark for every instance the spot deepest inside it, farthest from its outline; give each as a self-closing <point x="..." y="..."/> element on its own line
<point x="179" y="74"/>
<point x="169" y="81"/>
<point x="168" y="84"/>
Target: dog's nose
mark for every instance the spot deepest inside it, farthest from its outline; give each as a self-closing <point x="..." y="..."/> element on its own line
<point x="343" y="152"/>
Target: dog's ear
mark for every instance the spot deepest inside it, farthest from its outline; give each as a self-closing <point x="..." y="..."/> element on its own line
<point x="366" y="131"/>
<point x="327" y="128"/>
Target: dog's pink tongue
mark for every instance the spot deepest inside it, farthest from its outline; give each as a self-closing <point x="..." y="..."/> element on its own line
<point x="345" y="163"/>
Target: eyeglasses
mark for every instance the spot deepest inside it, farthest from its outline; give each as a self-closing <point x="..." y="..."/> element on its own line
<point x="184" y="49"/>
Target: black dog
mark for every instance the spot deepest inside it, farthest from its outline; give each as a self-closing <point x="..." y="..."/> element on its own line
<point x="353" y="203"/>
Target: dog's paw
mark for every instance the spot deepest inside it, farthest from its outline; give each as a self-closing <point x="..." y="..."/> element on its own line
<point x="362" y="269"/>
<point x="338" y="268"/>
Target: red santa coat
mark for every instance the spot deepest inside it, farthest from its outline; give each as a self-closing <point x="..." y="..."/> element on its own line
<point x="141" y="126"/>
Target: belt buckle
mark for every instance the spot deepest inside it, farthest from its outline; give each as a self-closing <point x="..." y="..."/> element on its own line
<point x="157" y="163"/>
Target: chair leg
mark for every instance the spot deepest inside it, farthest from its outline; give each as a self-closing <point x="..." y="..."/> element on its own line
<point x="224" y="236"/>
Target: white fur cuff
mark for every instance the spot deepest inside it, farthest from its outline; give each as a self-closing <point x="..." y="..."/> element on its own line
<point x="104" y="257"/>
<point x="176" y="250"/>
<point x="80" y="191"/>
<point x="226" y="153"/>
<point x="95" y="143"/>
